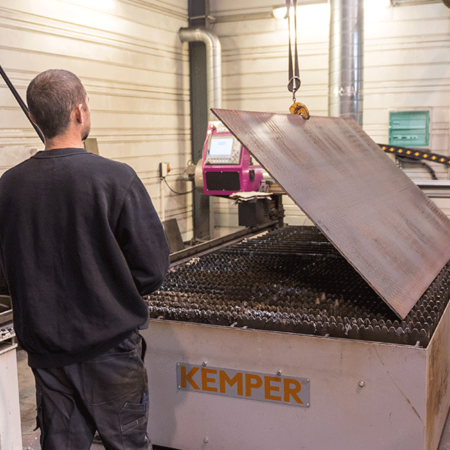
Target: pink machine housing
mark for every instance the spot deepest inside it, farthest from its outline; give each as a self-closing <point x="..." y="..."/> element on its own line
<point x="226" y="164"/>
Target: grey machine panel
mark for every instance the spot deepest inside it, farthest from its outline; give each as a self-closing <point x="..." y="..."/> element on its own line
<point x="376" y="217"/>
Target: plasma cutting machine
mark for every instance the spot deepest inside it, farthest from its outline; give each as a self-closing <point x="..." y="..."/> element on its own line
<point x="227" y="170"/>
<point x="334" y="337"/>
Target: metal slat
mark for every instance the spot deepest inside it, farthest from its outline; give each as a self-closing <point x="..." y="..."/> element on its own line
<point x="394" y="236"/>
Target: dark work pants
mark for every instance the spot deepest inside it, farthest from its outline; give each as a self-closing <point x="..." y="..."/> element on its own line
<point x="108" y="393"/>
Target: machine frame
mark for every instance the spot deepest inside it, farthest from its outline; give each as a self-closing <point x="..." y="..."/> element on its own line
<point x="363" y="394"/>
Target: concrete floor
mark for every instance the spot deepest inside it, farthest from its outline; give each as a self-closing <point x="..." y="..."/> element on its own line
<point x="27" y="396"/>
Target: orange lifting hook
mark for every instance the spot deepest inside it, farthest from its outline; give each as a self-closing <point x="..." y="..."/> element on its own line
<point x="300" y="109"/>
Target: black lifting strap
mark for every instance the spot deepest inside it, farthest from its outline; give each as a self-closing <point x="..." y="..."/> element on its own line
<point x="294" y="73"/>
<point x="21" y="102"/>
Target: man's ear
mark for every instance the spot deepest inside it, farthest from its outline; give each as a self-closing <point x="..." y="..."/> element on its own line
<point x="32" y="119"/>
<point x="78" y="111"/>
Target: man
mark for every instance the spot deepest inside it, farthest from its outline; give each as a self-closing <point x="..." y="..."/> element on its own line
<point x="80" y="243"/>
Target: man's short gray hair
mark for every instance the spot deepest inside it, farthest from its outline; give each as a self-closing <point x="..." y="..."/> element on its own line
<point x="51" y="98"/>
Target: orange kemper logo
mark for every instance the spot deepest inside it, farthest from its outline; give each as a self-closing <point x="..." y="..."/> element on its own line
<point x="240" y="384"/>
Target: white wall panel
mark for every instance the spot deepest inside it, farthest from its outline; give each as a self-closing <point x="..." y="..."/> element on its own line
<point x="255" y="71"/>
<point x="406" y="66"/>
<point x="135" y="69"/>
<point x="129" y="56"/>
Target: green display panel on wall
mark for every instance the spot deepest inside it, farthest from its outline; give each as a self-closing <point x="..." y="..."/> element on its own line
<point x="409" y="128"/>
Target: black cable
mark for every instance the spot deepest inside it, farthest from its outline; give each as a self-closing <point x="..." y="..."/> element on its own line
<point x="178" y="193"/>
<point x="21" y="102"/>
<point x="405" y="160"/>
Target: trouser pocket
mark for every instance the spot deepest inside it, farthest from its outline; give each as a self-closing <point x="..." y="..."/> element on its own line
<point x="115" y="374"/>
<point x="133" y="425"/>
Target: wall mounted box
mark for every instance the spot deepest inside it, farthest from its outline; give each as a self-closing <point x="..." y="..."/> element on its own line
<point x="409" y="128"/>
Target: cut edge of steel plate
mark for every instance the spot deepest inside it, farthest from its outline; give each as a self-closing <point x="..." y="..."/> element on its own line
<point x="401" y="306"/>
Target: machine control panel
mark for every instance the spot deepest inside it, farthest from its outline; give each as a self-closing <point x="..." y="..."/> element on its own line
<point x="227" y="166"/>
<point x="223" y="149"/>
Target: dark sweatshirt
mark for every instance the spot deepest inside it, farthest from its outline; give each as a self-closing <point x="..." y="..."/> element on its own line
<point x="80" y="243"/>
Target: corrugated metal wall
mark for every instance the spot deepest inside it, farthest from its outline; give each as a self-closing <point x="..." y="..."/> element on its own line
<point x="407" y="66"/>
<point x="136" y="72"/>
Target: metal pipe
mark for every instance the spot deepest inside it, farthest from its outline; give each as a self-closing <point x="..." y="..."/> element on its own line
<point x="345" y="78"/>
<point x="213" y="63"/>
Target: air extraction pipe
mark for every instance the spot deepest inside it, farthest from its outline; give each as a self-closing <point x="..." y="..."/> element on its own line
<point x="345" y="78"/>
<point x="213" y="64"/>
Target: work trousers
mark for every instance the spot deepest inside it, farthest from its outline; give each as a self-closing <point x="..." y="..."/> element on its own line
<point x="108" y="393"/>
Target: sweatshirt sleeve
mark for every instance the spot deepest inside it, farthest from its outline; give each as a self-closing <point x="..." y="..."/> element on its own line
<point x="141" y="237"/>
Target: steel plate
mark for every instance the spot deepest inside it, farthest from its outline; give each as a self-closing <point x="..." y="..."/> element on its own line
<point x="374" y="215"/>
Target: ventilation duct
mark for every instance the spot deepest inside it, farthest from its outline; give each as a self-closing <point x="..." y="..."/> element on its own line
<point x="345" y="96"/>
<point x="213" y="63"/>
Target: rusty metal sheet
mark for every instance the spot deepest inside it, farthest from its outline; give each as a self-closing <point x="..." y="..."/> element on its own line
<point x="375" y="216"/>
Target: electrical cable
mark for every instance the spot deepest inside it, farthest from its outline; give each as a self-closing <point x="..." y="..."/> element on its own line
<point x="178" y="193"/>
<point x="403" y="159"/>
<point x="21" y="103"/>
